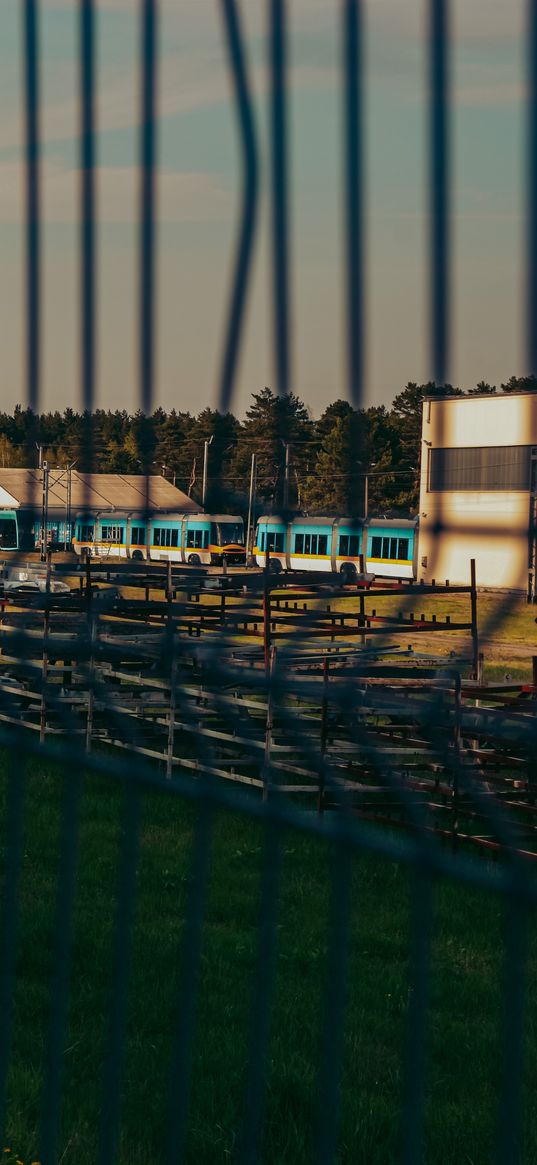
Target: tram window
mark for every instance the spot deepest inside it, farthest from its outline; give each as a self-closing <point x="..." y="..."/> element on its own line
<point x="299" y="543"/>
<point x="175" y="539"/>
<point x="354" y="545"/>
<point x="262" y="541"/>
<point x="343" y="543"/>
<point x="307" y="543"/>
<point x="205" y="539"/>
<point x="393" y="547"/>
<point x="112" y="534"/>
<point x="314" y="540"/>
<point x="323" y="543"/>
<point x="194" y="539"/>
<point x="402" y="552"/>
<point x="85" y="533"/>
<point x="376" y="547"/>
<point x="275" y="543"/>
<point x="138" y="536"/>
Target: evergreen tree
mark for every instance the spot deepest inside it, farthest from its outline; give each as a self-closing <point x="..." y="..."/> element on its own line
<point x="273" y="423"/>
<point x="520" y="384"/>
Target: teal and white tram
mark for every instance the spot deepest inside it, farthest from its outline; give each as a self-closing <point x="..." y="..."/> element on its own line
<point x="194" y="538"/>
<point x="384" y="546"/>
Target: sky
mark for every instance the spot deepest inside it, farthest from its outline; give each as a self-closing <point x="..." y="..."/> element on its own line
<point x="199" y="188"/>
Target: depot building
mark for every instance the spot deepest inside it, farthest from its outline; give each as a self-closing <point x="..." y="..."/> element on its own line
<point x="478" y="491"/>
<point x="27" y="495"/>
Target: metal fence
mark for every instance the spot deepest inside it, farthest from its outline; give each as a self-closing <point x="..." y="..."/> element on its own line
<point x="65" y="772"/>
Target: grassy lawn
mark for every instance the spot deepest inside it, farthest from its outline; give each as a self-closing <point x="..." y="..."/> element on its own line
<point x="464" y="1049"/>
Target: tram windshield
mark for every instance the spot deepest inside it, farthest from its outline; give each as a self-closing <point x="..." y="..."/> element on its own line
<point x="231" y="533"/>
<point x="8" y="534"/>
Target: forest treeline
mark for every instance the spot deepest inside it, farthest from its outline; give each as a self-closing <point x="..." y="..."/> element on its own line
<point x="327" y="459"/>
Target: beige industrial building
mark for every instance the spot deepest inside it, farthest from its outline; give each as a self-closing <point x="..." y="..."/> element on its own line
<point x="479" y="489"/>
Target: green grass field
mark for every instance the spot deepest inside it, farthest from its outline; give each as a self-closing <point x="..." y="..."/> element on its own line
<point x="464" y="1023"/>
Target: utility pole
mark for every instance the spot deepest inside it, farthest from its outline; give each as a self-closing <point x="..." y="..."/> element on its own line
<point x="68" y="515"/>
<point x="286" y="476"/>
<point x="251" y="503"/>
<point x="44" y="512"/>
<point x="208" y="441"/>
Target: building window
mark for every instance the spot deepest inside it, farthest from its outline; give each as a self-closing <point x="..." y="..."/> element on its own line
<point x="504" y="467"/>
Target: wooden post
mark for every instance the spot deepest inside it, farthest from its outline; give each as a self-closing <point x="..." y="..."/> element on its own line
<point x="361" y="617"/>
<point x="44" y="672"/>
<point x="475" y="638"/>
<point x="324" y="733"/>
<point x="89" y="718"/>
<point x="88" y="578"/>
<point x="266" y="625"/>
<point x="269" y="723"/>
<point x="456" y="759"/>
<point x="171" y="721"/>
<point x="532" y="764"/>
<point x="91" y="635"/>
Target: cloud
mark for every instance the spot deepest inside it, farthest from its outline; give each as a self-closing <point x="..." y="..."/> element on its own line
<point x="182" y="196"/>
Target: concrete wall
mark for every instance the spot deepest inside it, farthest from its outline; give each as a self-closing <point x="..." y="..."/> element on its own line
<point x="492" y="527"/>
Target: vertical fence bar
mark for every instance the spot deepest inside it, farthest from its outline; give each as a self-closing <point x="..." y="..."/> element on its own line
<point x="354" y="195"/>
<point x="148" y="44"/>
<point x="87" y="223"/>
<point x="509" y="1141"/>
<point x="187" y="988"/>
<point x="61" y="963"/>
<point x="439" y="187"/>
<point x="33" y="257"/>
<point x="414" y="1067"/>
<point x="109" y="1131"/>
<point x="334" y="1010"/>
<point x="243" y="260"/>
<point x="14" y="841"/>
<point x="262" y="998"/>
<point x="531" y="232"/>
<point x="280" y="256"/>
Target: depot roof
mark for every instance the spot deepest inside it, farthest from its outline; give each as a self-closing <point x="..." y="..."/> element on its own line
<point x="94" y="492"/>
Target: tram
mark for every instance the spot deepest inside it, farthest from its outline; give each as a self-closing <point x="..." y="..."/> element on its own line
<point x="384" y="546"/>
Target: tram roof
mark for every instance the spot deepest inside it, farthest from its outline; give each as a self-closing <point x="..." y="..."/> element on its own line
<point x="317" y="520"/>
